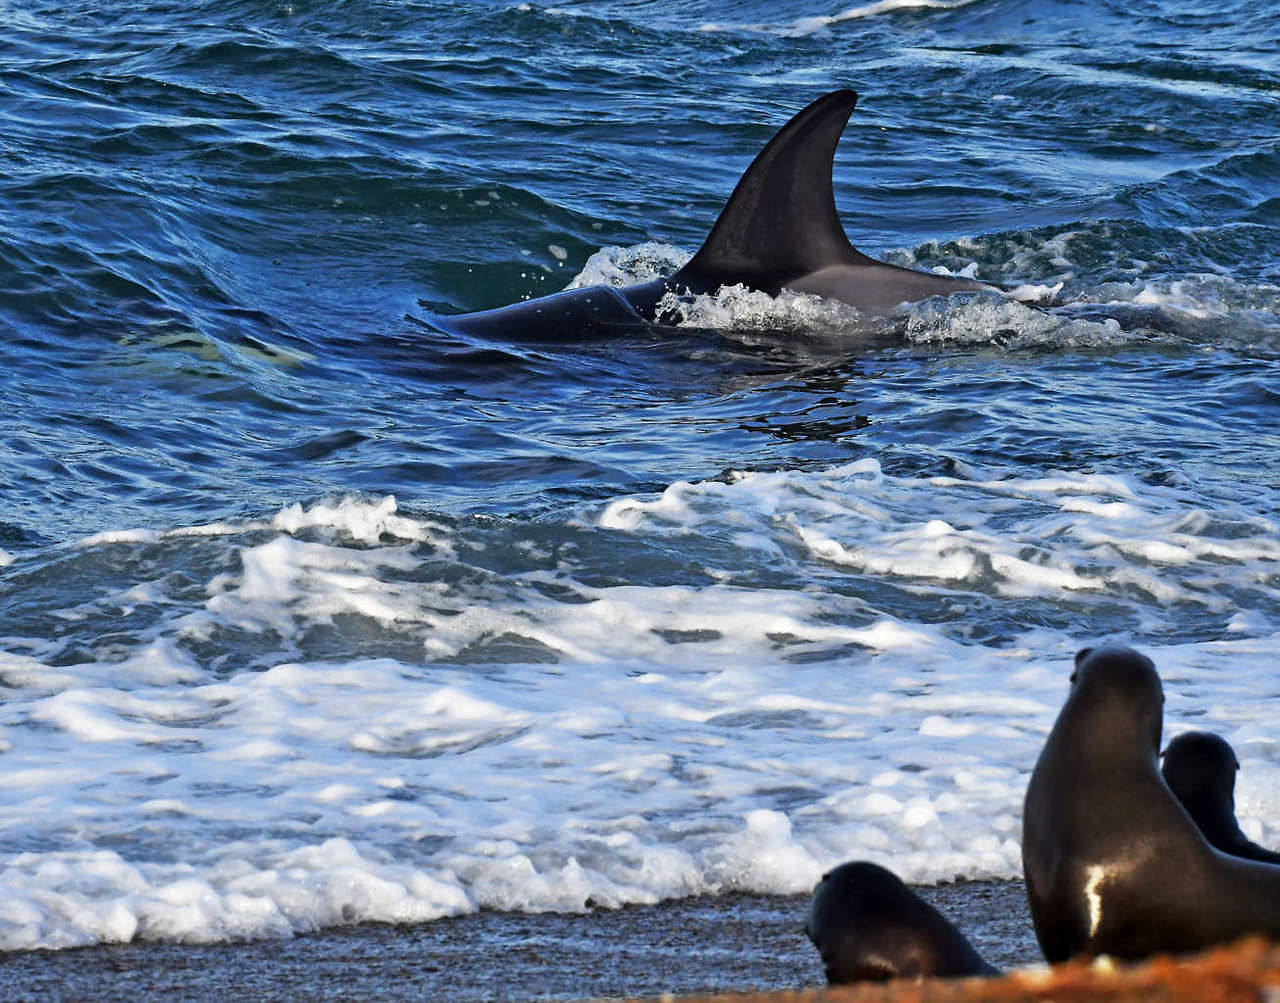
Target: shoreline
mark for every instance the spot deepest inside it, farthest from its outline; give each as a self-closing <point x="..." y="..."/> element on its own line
<point x="725" y="944"/>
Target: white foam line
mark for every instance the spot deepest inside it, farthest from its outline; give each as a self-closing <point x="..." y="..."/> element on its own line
<point x="545" y="742"/>
<point x="804" y="26"/>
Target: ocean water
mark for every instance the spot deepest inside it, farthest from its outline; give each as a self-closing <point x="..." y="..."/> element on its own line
<point x="311" y="613"/>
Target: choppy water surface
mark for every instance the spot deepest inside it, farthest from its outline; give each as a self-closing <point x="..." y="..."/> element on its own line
<point x="314" y="614"/>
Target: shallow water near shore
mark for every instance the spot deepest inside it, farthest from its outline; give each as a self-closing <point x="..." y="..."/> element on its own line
<point x="313" y="614"/>
<point x="724" y="944"/>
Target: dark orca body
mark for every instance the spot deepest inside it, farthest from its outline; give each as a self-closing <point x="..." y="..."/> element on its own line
<point x="869" y="927"/>
<point x="1200" y="768"/>
<point x="1113" y="863"/>
<point x="779" y="230"/>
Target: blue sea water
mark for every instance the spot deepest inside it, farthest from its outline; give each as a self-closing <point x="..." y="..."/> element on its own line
<point x="311" y="612"/>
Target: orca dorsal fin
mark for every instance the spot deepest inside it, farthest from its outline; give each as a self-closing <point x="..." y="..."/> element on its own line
<point x="781" y="219"/>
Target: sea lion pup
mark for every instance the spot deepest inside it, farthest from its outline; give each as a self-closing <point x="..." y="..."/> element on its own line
<point x="1113" y="863"/>
<point x="1200" y="768"/>
<point x="869" y="927"/>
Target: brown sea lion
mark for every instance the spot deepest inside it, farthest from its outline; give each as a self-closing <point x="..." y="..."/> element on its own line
<point x="1113" y="862"/>
<point x="1200" y="768"/>
<point x="869" y="926"/>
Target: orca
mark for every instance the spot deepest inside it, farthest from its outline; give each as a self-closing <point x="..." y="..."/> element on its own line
<point x="779" y="230"/>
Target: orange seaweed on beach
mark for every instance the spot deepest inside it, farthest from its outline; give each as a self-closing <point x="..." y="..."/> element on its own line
<point x="1245" y="972"/>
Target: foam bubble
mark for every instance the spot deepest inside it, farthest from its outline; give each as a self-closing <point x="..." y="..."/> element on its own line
<point x="624" y="266"/>
<point x="737" y="308"/>
<point x="1006" y="324"/>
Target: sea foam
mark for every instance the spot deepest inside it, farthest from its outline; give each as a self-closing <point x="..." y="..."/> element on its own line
<point x="842" y="662"/>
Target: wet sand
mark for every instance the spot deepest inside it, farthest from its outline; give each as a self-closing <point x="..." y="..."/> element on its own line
<point x="699" y="945"/>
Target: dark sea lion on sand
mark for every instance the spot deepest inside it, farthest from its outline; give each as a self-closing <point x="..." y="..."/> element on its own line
<point x="1113" y="862"/>
<point x="869" y="927"/>
<point x="1200" y="768"/>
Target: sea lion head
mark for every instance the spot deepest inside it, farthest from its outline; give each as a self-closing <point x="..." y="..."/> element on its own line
<point x="1200" y="764"/>
<point x="1119" y="690"/>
